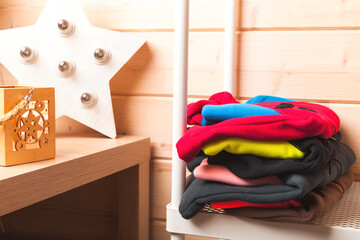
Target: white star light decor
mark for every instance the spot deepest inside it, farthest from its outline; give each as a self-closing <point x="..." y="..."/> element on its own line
<point x="64" y="51"/>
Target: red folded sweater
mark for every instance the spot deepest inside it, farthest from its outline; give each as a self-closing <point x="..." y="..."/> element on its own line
<point x="240" y="204"/>
<point x="296" y="120"/>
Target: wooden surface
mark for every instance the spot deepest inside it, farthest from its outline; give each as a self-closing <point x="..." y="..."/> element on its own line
<point x="308" y="50"/>
<point x="100" y="210"/>
<point x="144" y="198"/>
<point x="88" y="210"/>
<point x="128" y="204"/>
<point x="77" y="163"/>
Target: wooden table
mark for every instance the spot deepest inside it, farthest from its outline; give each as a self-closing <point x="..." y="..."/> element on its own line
<point x="81" y="160"/>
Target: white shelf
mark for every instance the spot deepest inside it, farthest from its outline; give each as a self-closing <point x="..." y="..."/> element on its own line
<point x="342" y="222"/>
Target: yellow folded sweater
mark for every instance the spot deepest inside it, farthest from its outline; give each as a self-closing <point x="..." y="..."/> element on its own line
<point x="277" y="149"/>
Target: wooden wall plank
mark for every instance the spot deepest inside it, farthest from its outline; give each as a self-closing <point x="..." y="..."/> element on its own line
<point x="158" y="14"/>
<point x="138" y="116"/>
<point x="160" y="187"/>
<point x="120" y="14"/>
<point x="150" y="69"/>
<point x="305" y="13"/>
<point x="204" y="14"/>
<point x="302" y="65"/>
<point x="6" y="78"/>
<point x="19" y="13"/>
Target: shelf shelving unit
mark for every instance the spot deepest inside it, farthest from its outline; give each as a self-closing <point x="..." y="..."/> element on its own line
<point x="342" y="222"/>
<point x="82" y="159"/>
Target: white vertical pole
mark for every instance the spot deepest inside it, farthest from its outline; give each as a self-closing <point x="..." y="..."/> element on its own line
<point x="229" y="48"/>
<point x="181" y="36"/>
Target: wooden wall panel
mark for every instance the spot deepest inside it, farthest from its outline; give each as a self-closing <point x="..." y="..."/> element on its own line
<point x="302" y="65"/>
<point x="19" y="13"/>
<point x="5" y="77"/>
<point x="278" y="53"/>
<point x="300" y="14"/>
<point x="160" y="187"/>
<point x="146" y="116"/>
<point x="151" y="68"/>
<point x="205" y="14"/>
<point x="120" y="14"/>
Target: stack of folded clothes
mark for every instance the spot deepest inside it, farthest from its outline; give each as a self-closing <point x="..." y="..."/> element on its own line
<point x="270" y="158"/>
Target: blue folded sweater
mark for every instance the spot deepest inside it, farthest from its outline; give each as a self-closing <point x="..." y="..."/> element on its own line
<point x="213" y="114"/>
